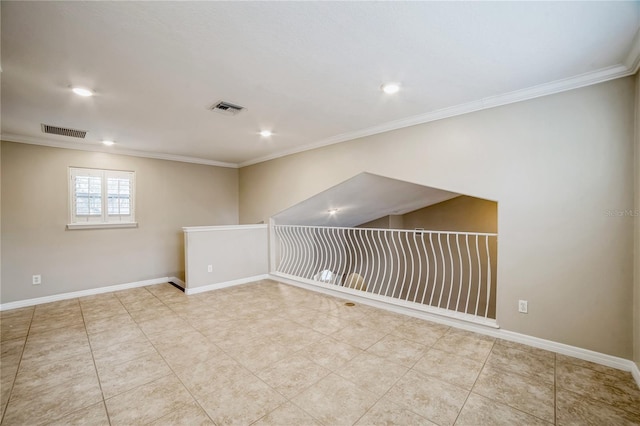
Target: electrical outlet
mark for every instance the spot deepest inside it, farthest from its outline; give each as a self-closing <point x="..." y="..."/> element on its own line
<point x="523" y="306"/>
<point x="210" y="268"/>
<point x="36" y="280"/>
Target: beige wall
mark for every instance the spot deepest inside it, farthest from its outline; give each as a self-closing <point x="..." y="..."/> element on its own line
<point x="555" y="165"/>
<point x="169" y="194"/>
<point x="465" y="214"/>
<point x="636" y="308"/>
<point x="380" y="223"/>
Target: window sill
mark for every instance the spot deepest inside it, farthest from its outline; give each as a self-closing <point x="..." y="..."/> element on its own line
<point x="74" y="226"/>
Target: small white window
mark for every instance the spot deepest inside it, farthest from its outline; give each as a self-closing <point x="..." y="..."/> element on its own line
<point x="101" y="198"/>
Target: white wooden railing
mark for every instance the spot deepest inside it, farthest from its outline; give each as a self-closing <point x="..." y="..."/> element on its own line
<point x="448" y="273"/>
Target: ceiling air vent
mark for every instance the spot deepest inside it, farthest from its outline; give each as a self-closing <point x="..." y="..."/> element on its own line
<point x="226" y="108"/>
<point x="73" y="133"/>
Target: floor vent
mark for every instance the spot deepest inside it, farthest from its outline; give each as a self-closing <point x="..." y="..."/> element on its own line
<point x="62" y="131"/>
<point x="227" y="108"/>
<point x="177" y="286"/>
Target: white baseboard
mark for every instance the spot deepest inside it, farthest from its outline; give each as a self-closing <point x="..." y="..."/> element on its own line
<point x="635" y="372"/>
<point x="549" y="345"/>
<point x="216" y="286"/>
<point x="81" y="293"/>
<point x="177" y="281"/>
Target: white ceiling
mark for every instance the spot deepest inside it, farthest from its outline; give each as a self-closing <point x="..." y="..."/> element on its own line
<point x="361" y="199"/>
<point x="310" y="71"/>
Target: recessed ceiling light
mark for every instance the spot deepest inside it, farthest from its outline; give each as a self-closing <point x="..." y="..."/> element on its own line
<point x="390" y="88"/>
<point x="333" y="211"/>
<point x="266" y="133"/>
<point x="108" y="143"/>
<point x="81" y="91"/>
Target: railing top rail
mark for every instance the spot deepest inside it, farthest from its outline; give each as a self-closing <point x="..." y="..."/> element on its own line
<point x="426" y="231"/>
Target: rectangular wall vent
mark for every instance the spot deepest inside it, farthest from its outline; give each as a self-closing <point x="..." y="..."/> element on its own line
<point x="73" y="133"/>
<point x="226" y="108"/>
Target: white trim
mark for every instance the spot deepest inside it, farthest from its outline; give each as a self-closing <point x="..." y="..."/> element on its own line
<point x="440" y="316"/>
<point x="189" y="229"/>
<point x="81" y="293"/>
<point x="177" y="281"/>
<point x="75" y="226"/>
<point x="271" y="234"/>
<point x="94" y="147"/>
<point x="558" y="86"/>
<point x="635" y="372"/>
<point x="549" y="345"/>
<point x="216" y="286"/>
<point x="632" y="62"/>
<point x="421" y="230"/>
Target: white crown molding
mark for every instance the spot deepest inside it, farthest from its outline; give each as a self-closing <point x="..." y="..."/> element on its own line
<point x="111" y="150"/>
<point x="558" y="86"/>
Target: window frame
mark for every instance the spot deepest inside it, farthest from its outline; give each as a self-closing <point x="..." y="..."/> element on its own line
<point x="104" y="219"/>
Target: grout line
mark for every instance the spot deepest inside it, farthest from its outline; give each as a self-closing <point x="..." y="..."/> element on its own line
<point x="169" y="365"/>
<point x="95" y="366"/>
<point x="555" y="390"/>
<point x="350" y="322"/>
<point x="475" y="382"/>
<point x="405" y="373"/>
<point x="517" y="374"/>
<point x="26" y="337"/>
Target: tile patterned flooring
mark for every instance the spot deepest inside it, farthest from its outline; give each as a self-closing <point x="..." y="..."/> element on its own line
<point x="271" y="354"/>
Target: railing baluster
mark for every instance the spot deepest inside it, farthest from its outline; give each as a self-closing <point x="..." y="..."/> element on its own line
<point x="384" y="274"/>
<point x="334" y="249"/>
<point x="289" y="246"/>
<point x="327" y="237"/>
<point x="347" y="246"/>
<point x="353" y="256"/>
<point x="291" y="251"/>
<point x="426" y="278"/>
<point x="336" y="238"/>
<point x="323" y="254"/>
<point x="312" y="252"/>
<point x="486" y="311"/>
<point x="373" y="262"/>
<point x="415" y="243"/>
<point x="479" y="276"/>
<point x="460" y="269"/>
<point x="404" y="256"/>
<point x="315" y="266"/>
<point x="435" y="270"/>
<point x="395" y="246"/>
<point x="283" y="251"/>
<point x="296" y="269"/>
<point x="307" y="257"/>
<point x="336" y="233"/>
<point x="360" y="256"/>
<point x="378" y="262"/>
<point x="451" y="264"/>
<point x="466" y="308"/>
<point x="366" y="254"/>
<point x="444" y="273"/>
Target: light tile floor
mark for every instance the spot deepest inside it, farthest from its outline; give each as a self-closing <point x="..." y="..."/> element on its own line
<point x="267" y="353"/>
